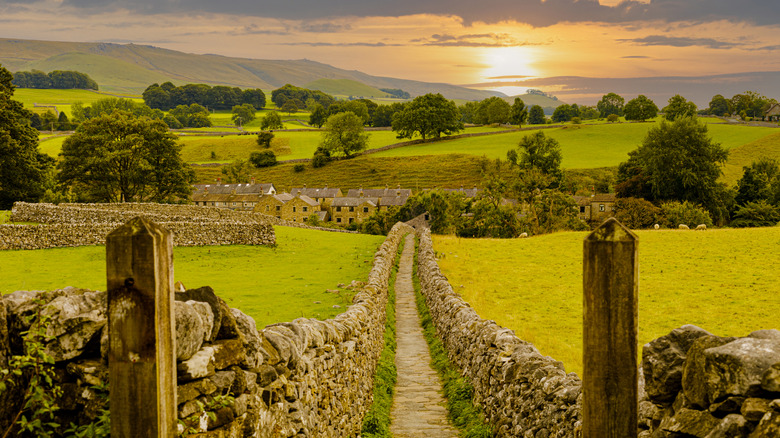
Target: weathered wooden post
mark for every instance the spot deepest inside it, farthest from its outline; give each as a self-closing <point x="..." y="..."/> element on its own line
<point x="141" y="358"/>
<point x="610" y="283"/>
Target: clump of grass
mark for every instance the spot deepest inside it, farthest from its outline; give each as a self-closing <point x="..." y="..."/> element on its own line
<point x="461" y="410"/>
<point x="376" y="423"/>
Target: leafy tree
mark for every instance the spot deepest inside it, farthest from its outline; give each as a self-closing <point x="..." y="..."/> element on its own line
<point x="536" y="115"/>
<point x="122" y="158"/>
<point x="612" y="118"/>
<point x="157" y="97"/>
<point x="610" y="103"/>
<point x="263" y="159"/>
<point x="757" y="181"/>
<point x="240" y="171"/>
<point x="383" y="116"/>
<point x="254" y="97"/>
<point x="321" y="157"/>
<point x="563" y="113"/>
<point x="24" y="170"/>
<point x="468" y="112"/>
<point x="63" y="124"/>
<point x="343" y="134"/>
<point x="356" y="107"/>
<point x="318" y="115"/>
<point x="519" y="112"/>
<point x="679" y="107"/>
<point x="640" y="108"/>
<point x="264" y="139"/>
<point x="588" y="112"/>
<point x="35" y="122"/>
<point x="756" y="214"/>
<point x="751" y="103"/>
<point x="679" y="161"/>
<point x="106" y="106"/>
<point x="675" y="213"/>
<point x="429" y="115"/>
<point x="271" y="121"/>
<point x="636" y="212"/>
<point x="719" y="106"/>
<point x="243" y="113"/>
<point x="192" y="116"/>
<point x="289" y="106"/>
<point x="492" y="110"/>
<point x="538" y="151"/>
<point x="49" y="121"/>
<point x="172" y="121"/>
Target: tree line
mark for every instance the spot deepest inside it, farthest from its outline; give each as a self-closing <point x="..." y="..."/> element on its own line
<point x="57" y="79"/>
<point x="167" y="96"/>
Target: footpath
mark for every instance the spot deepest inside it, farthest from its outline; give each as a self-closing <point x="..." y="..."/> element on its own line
<point x="418" y="405"/>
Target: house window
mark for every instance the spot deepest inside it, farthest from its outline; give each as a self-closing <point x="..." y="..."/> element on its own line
<point x="293" y="209"/>
<point x="305" y="209"/>
<point x="351" y="208"/>
<point x="601" y="207"/>
<point x="234" y="204"/>
<point x="365" y="209"/>
<point x="351" y="219"/>
<point x="338" y="219"/>
<point x="338" y="208"/>
<point x="582" y="209"/>
<point x="278" y="208"/>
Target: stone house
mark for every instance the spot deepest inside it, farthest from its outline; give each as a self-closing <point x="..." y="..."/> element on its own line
<point x="596" y="207"/>
<point x="323" y="195"/>
<point x="347" y="209"/>
<point x="285" y="206"/>
<point x="773" y="113"/>
<point x="392" y="202"/>
<point x="379" y="193"/>
<point x="272" y="205"/>
<point x="233" y="196"/>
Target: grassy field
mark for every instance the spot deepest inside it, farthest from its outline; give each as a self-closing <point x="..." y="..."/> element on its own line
<point x="720" y="280"/>
<point x="269" y="284"/>
<point x="583" y="146"/>
<point x="415" y="173"/>
<point x="766" y="147"/>
<point x="62" y="99"/>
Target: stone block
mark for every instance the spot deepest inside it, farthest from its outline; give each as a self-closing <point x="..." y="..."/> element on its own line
<point x="201" y="364"/>
<point x="737" y="368"/>
<point x="663" y="360"/>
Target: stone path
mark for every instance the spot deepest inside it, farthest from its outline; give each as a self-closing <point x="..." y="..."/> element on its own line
<point x="418" y="406"/>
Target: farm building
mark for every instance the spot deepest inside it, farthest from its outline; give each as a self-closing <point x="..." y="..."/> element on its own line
<point x="596" y="207"/>
<point x="233" y="196"/>
<point x="773" y="113"/>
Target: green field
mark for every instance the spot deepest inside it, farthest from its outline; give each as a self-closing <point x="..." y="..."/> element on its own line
<point x="724" y="281"/>
<point x="269" y="284"/>
<point x="62" y="99"/>
<point x="766" y="147"/>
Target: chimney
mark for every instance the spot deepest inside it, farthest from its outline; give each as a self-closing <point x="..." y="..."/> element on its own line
<point x="253" y="180"/>
<point x="592" y="191"/>
<point x="299" y="192"/>
<point x="304" y="185"/>
<point x="361" y="192"/>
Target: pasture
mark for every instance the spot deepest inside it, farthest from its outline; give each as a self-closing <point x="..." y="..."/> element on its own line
<point x="722" y="280"/>
<point x="269" y="284"/>
<point x="62" y="99"/>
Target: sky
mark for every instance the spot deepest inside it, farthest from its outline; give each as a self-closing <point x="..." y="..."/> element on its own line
<point x="506" y="45"/>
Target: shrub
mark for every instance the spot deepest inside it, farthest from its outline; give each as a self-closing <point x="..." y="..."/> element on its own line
<point x="676" y="213"/>
<point x="321" y="157"/>
<point x="576" y="120"/>
<point x="612" y="118"/>
<point x="298" y="168"/>
<point x="264" y="139"/>
<point x="263" y="159"/>
<point x="756" y="214"/>
<point x="636" y="212"/>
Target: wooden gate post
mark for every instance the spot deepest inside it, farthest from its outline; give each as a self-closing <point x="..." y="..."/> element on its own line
<point x="610" y="284"/>
<point x="141" y="358"/>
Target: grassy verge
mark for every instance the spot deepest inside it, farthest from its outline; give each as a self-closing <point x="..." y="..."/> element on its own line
<point x="376" y="423"/>
<point x="466" y="416"/>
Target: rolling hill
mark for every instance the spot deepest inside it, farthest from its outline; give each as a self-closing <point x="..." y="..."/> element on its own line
<point x="130" y="68"/>
<point x="345" y="87"/>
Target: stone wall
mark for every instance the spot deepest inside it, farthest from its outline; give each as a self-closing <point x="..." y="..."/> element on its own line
<point x="305" y="378"/>
<point x="523" y="393"/>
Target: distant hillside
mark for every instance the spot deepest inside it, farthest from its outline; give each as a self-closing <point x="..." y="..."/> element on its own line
<point x="535" y="99"/>
<point x="129" y="68"/>
<point x="345" y="87"/>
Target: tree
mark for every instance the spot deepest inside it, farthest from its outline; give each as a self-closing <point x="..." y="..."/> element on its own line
<point x="679" y="161"/>
<point x="344" y="134"/>
<point x="24" y="170"/>
<point x="719" y="106"/>
<point x="675" y="213"/>
<point x="563" y="113"/>
<point x="757" y="181"/>
<point x="538" y="151"/>
<point x="610" y="103"/>
<point x="519" y="113"/>
<point x="289" y="106"/>
<point x="640" y="108"/>
<point x="49" y="121"/>
<point x="263" y="159"/>
<point x="536" y="115"/>
<point x="254" y="97"/>
<point x="271" y="121"/>
<point x="756" y="214"/>
<point x="63" y="124"/>
<point x="679" y="107"/>
<point x="122" y="158"/>
<point x="243" y="114"/>
<point x="492" y="110"/>
<point x="636" y="212"/>
<point x="429" y="115"/>
<point x="318" y="115"/>
<point x="357" y="107"/>
<point x="192" y="116"/>
<point x="239" y="171"/>
<point x="264" y="139"/>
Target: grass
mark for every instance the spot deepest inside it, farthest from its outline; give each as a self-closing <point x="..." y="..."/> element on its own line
<point x="268" y="284"/>
<point x="458" y="391"/>
<point x="376" y="422"/>
<point x="720" y="280"/>
<point x="415" y="172"/>
<point x="62" y="99"/>
<point x="766" y="147"/>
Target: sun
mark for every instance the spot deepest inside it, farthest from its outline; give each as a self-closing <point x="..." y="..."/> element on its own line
<point x="508" y="64"/>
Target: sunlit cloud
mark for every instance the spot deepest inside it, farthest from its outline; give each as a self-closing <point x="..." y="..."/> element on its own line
<point x="661" y="40"/>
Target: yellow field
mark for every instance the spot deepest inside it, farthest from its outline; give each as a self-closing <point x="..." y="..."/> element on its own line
<point x="724" y="281"/>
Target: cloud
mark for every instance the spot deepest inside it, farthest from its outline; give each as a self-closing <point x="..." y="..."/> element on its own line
<point x="635" y="57"/>
<point x="324" y="27"/>
<point x="539" y="13"/>
<point x="325" y="44"/>
<point x="472" y="40"/>
<point x="660" y="40"/>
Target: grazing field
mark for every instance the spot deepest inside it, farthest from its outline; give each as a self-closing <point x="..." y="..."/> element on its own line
<point x="269" y="284"/>
<point x="766" y="147"/>
<point x="724" y="281"/>
<point x="583" y="146"/>
<point x="446" y="171"/>
<point x="62" y="99"/>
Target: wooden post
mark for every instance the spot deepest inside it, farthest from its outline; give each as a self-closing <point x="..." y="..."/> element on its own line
<point x="141" y="358"/>
<point x="610" y="283"/>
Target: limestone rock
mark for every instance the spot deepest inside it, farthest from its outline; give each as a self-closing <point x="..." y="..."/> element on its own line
<point x="89" y="372"/>
<point x="695" y="381"/>
<point x="192" y="390"/>
<point x="201" y="364"/>
<point x="251" y="337"/>
<point x="190" y="330"/>
<point x="737" y="368"/>
<point x="75" y="322"/>
<point x="228" y="352"/>
<point x="771" y="379"/>
<point x="769" y="426"/>
<point x="753" y="409"/>
<point x="663" y="360"/>
<point x="206" y="295"/>
<point x="690" y="422"/>
<point x="732" y="426"/>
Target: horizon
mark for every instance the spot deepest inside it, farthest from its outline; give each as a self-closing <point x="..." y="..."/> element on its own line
<point x="560" y="47"/>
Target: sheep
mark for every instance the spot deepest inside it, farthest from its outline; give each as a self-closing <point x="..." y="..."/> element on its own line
<point x="656" y="226"/>
<point x="523" y="235"/>
<point x="683" y="227"/>
<point x="701" y="227"/>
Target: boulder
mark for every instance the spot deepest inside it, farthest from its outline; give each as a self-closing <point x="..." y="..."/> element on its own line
<point x="695" y="379"/>
<point x="75" y="323"/>
<point x="663" y="359"/>
<point x="771" y="379"/>
<point x="190" y="330"/>
<point x="737" y="368"/>
<point x="201" y="364"/>
<point x="732" y="426"/>
<point x="206" y="295"/>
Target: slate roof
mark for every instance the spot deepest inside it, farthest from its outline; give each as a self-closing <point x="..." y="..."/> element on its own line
<point x="379" y="193"/>
<point x="394" y="201"/>
<point x="351" y="201"/>
<point x="317" y="192"/>
<point x="587" y="200"/>
<point x="773" y="110"/>
<point x="240" y="189"/>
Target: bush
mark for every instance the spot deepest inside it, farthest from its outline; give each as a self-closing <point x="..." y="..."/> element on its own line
<point x="321" y="157"/>
<point x="576" y="120"/>
<point x="688" y="213"/>
<point x="264" y="139"/>
<point x="298" y="168"/>
<point x="263" y="159"/>
<point x="612" y="118"/>
<point x="756" y="214"/>
<point x="636" y="212"/>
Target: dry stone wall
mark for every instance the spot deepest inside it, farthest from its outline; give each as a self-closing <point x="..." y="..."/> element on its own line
<point x="305" y="378"/>
<point x="523" y="393"/>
